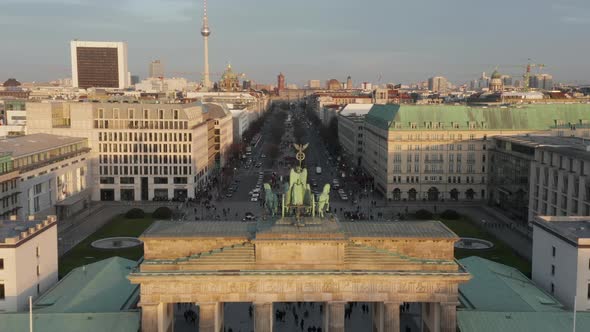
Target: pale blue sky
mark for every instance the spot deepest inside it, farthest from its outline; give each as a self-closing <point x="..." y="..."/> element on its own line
<point x="403" y="41"/>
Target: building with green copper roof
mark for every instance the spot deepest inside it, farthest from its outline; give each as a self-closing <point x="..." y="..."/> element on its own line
<point x="436" y="152"/>
<point x="94" y="298"/>
<point x="500" y="298"/>
<point x="498" y="287"/>
<point x="462" y="117"/>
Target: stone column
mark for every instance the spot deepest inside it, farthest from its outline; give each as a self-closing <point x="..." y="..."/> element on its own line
<point x="391" y="317"/>
<point x="335" y="312"/>
<point x="211" y="317"/>
<point x="377" y="317"/>
<point x="448" y="317"/>
<point x="149" y="317"/>
<point x="263" y="317"/>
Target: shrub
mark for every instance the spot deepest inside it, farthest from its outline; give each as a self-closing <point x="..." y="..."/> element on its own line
<point x="423" y="214"/>
<point x="135" y="214"/>
<point x="162" y="213"/>
<point x="450" y="215"/>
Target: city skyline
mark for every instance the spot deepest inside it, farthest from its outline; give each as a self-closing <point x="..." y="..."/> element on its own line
<point x="329" y="42"/>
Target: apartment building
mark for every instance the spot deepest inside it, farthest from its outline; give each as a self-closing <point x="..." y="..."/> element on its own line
<point x="28" y="260"/>
<point x="435" y="152"/>
<point x="142" y="151"/>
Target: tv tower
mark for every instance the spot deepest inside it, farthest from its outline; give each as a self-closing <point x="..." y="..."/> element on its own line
<point x="205" y="32"/>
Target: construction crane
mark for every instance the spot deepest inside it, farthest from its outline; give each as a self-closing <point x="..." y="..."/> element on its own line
<point x="527" y="74"/>
<point x="528" y="68"/>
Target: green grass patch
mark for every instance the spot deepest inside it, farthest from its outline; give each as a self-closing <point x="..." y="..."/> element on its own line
<point x="84" y="253"/>
<point x="500" y="253"/>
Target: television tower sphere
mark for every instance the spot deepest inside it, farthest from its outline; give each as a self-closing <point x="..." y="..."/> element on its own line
<point x="205" y="31"/>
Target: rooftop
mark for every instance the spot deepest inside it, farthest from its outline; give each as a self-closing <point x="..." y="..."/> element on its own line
<point x="35" y="143"/>
<point x="497" y="287"/>
<point x="356" y="109"/>
<point x="72" y="322"/>
<point x="401" y="229"/>
<point x="98" y="287"/>
<point x="545" y="140"/>
<point x="462" y="117"/>
<point x="398" y="229"/>
<point x="574" y="230"/>
<point x="163" y="228"/>
<point x="482" y="321"/>
<point x="13" y="231"/>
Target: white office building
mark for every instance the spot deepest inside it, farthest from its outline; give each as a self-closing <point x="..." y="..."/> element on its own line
<point x="28" y="260"/>
<point x="561" y="259"/>
<point x="142" y="151"/>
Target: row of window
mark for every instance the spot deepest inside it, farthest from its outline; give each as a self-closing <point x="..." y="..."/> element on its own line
<point x="131" y="180"/>
<point x="144" y="147"/>
<point x="451" y="179"/>
<point x="122" y="124"/>
<point x="145" y="159"/>
<point x="145" y="170"/>
<point x="436" y="147"/>
<point x="441" y="125"/>
<point x="132" y="113"/>
<point x="548" y="157"/>
<point x="8" y="185"/>
<point x="144" y="137"/>
<point x="437" y="137"/>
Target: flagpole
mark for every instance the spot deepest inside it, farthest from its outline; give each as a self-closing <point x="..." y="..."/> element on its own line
<point x="574" y="329"/>
<point x="31" y="314"/>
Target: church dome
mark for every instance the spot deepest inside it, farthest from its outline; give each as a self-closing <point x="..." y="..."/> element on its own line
<point x="495" y="74"/>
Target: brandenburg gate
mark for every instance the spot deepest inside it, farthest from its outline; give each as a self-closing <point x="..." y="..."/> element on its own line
<point x="299" y="255"/>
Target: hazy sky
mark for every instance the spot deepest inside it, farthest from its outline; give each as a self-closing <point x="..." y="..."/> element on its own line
<point x="401" y="41"/>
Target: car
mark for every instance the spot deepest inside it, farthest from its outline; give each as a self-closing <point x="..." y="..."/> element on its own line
<point x="250" y="192"/>
<point x="263" y="156"/>
<point x="228" y="195"/>
<point x="258" y="165"/>
<point x="261" y="173"/>
<point x="256" y="195"/>
<point x="254" y="199"/>
<point x="344" y="198"/>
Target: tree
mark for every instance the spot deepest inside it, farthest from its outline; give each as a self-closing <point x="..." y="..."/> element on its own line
<point x="235" y="150"/>
<point x="298" y="131"/>
<point x="273" y="151"/>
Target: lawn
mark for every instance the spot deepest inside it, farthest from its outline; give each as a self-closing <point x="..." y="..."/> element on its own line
<point x="83" y="253"/>
<point x="501" y="252"/>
